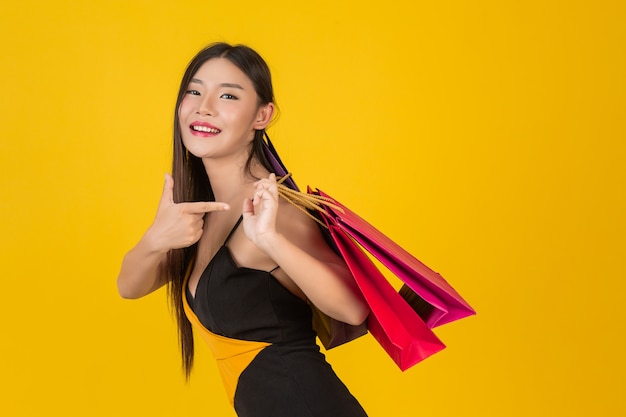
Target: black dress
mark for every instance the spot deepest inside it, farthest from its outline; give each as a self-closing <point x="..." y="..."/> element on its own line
<point x="287" y="375"/>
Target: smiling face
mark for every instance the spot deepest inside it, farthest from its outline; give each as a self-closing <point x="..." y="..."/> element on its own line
<point x="220" y="112"/>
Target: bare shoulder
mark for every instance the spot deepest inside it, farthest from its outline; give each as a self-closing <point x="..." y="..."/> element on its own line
<point x="302" y="230"/>
<point x="294" y="220"/>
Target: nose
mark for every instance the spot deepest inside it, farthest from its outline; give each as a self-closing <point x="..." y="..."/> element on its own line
<point x="206" y="107"/>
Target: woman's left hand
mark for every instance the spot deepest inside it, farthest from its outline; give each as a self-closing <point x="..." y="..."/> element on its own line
<point x="259" y="214"/>
<point x="303" y="255"/>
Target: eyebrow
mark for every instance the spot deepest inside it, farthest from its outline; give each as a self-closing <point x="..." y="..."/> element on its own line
<point x="231" y="85"/>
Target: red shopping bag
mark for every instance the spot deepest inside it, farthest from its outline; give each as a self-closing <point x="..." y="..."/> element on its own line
<point x="392" y="322"/>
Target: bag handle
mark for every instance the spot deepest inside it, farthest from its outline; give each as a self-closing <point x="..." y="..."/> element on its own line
<point x="306" y="202"/>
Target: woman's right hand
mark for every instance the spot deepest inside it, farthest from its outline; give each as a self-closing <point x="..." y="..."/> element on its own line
<point x="178" y="225"/>
<point x="175" y="226"/>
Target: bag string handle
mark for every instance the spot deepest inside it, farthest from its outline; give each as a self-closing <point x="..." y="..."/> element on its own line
<point x="305" y="201"/>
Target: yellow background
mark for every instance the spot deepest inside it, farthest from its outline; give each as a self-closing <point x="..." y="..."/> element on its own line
<point x="487" y="137"/>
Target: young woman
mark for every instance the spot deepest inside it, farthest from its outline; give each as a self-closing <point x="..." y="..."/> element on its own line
<point x="242" y="264"/>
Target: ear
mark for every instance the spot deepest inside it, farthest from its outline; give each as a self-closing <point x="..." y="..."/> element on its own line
<point x="264" y="116"/>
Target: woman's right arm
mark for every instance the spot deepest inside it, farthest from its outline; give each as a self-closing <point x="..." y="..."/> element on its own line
<point x="176" y="225"/>
<point x="142" y="269"/>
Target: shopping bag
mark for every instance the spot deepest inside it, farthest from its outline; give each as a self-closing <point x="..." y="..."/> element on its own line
<point x="436" y="301"/>
<point x="399" y="321"/>
<point x="393" y="323"/>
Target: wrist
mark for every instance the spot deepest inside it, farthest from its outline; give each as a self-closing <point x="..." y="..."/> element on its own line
<point x="152" y="244"/>
<point x="270" y="243"/>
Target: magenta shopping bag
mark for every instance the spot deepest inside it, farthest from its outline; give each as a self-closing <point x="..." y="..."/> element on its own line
<point x="447" y="305"/>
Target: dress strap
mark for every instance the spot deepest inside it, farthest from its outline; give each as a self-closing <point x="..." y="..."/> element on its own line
<point x="233" y="229"/>
<point x="275" y="268"/>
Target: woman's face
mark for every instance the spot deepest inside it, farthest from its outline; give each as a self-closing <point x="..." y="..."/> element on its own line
<point x="220" y="112"/>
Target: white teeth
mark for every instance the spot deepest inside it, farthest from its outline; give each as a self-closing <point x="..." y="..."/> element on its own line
<point x="205" y="129"/>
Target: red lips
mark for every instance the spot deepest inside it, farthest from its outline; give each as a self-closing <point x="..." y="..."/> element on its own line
<point x="204" y="129"/>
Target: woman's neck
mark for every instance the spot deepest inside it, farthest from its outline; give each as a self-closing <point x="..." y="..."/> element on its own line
<point x="231" y="181"/>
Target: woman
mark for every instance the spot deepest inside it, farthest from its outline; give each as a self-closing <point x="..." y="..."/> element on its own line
<point x="241" y="263"/>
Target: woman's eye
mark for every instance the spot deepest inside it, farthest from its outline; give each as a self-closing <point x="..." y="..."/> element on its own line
<point x="193" y="92"/>
<point x="228" y="97"/>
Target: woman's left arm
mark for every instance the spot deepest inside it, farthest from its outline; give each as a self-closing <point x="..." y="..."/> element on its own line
<point x="296" y="244"/>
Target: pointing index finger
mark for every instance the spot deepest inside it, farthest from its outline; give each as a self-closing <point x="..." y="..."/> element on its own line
<point x="200" y="207"/>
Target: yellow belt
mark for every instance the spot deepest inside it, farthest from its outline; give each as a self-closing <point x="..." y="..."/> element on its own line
<point x="232" y="355"/>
